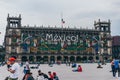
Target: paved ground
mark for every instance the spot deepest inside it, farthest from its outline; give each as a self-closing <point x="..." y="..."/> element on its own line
<point x="90" y="72"/>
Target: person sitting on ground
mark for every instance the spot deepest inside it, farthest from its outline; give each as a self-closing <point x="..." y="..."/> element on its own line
<point x="39" y="72"/>
<point x="74" y="65"/>
<point x="79" y="69"/>
<point x="34" y="67"/>
<point x="55" y="76"/>
<point x="38" y="65"/>
<point x="50" y="75"/>
<point x="28" y="76"/>
<point x="44" y="75"/>
<point x="99" y="66"/>
<point x="40" y="76"/>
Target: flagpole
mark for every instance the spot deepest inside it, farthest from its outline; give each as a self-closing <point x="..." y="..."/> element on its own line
<point x="61" y="20"/>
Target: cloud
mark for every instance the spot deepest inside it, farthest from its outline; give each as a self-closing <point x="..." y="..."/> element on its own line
<point x="47" y="12"/>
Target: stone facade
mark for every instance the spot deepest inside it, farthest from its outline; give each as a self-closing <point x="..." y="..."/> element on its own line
<point x="116" y="46"/>
<point x="45" y="44"/>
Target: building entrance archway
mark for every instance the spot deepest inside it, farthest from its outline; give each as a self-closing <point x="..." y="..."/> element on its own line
<point x="24" y="58"/>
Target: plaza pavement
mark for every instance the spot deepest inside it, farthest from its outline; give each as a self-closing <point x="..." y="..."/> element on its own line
<point x="90" y="72"/>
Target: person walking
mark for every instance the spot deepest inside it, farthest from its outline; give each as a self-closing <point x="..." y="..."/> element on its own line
<point x="113" y="68"/>
<point x="27" y="66"/>
<point x="116" y="67"/>
<point x="14" y="69"/>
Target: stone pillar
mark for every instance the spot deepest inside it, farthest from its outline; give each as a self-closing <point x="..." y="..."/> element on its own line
<point x="62" y="59"/>
<point x="68" y="58"/>
<point x="48" y="59"/>
<point x="42" y="58"/>
<point x="34" y="58"/>
<point x="27" y="57"/>
<point x="94" y="58"/>
<point x="6" y="57"/>
<point x="75" y="58"/>
<point x="19" y="57"/>
<point x="55" y="58"/>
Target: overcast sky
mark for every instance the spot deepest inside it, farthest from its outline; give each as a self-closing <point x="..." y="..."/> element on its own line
<point x="79" y="13"/>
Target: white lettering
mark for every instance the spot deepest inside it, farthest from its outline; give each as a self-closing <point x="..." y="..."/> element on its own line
<point x="61" y="38"/>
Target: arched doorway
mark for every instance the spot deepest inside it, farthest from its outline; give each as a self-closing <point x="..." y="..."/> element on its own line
<point x="84" y="58"/>
<point x="45" y="58"/>
<point x="38" y="58"/>
<point x="97" y="58"/>
<point x="90" y="58"/>
<point x="72" y="59"/>
<point x="59" y="58"/>
<point x="78" y="59"/>
<point x="105" y="58"/>
<point x="24" y="58"/>
<point x="52" y="58"/>
<point x="31" y="58"/>
<point x="65" y="58"/>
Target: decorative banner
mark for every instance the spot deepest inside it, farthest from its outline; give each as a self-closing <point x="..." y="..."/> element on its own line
<point x="56" y="42"/>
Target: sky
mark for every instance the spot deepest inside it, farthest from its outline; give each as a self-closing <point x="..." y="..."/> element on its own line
<point x="76" y="13"/>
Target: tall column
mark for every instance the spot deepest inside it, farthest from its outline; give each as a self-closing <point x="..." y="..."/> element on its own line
<point x="34" y="58"/>
<point x="28" y="57"/>
<point x="48" y="58"/>
<point x="55" y="58"/>
<point x="19" y="57"/>
<point x="94" y="58"/>
<point x="75" y="58"/>
<point x="62" y="59"/>
<point x="6" y="57"/>
<point x="68" y="58"/>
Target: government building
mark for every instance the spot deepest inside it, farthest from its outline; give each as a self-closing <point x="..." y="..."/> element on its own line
<point x="46" y="44"/>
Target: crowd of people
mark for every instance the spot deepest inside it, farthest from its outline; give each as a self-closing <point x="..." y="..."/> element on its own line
<point x="41" y="76"/>
<point x="14" y="69"/>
